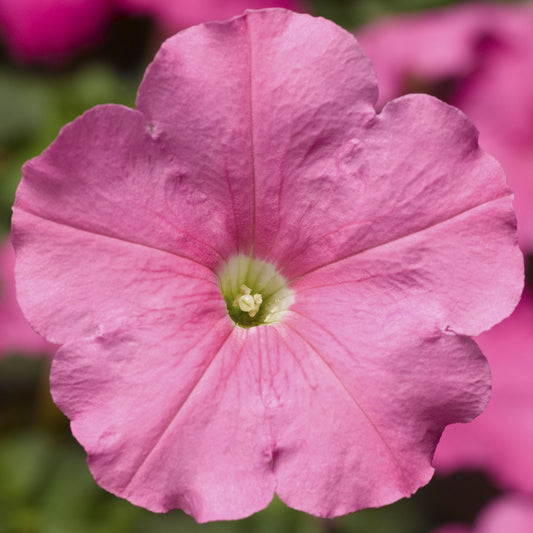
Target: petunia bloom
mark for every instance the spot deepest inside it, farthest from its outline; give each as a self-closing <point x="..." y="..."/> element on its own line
<point x="16" y="335"/>
<point x="174" y="15"/>
<point x="501" y="439"/>
<point x="51" y="31"/>
<point x="260" y="284"/>
<point x="478" y="57"/>
<point x="509" y="513"/>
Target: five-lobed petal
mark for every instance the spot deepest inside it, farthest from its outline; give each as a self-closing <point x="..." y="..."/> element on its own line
<point x="395" y="233"/>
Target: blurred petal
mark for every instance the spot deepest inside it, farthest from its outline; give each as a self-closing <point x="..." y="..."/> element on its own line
<point x="501" y="439"/>
<point x="50" y="31"/>
<point x="16" y="335"/>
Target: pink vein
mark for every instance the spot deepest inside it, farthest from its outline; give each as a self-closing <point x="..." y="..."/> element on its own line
<point x="252" y="130"/>
<point x="278" y="218"/>
<point x="398" y="238"/>
<point x="358" y="280"/>
<point x="350" y="395"/>
<point x="120" y="239"/>
<point x="298" y="361"/>
<point x="171" y="274"/>
<point x="322" y="237"/>
<point x="267" y="422"/>
<point x="187" y="235"/>
<point x="232" y="197"/>
<point x="183" y="402"/>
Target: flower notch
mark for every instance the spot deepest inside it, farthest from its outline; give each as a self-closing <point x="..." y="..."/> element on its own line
<point x="254" y="292"/>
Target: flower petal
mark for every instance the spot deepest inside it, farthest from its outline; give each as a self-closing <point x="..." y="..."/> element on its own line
<point x="362" y="413"/>
<point x="94" y="283"/>
<point x="105" y="173"/>
<point x="438" y="216"/>
<point x="197" y="440"/>
<point x="280" y="111"/>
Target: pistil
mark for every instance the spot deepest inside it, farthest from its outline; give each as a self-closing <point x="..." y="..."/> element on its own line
<point x="254" y="292"/>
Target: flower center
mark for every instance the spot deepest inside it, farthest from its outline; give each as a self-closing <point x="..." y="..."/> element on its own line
<point x="254" y="292"/>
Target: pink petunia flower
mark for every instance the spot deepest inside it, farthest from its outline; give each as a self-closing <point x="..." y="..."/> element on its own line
<point x="501" y="439"/>
<point x="51" y="31"/>
<point x="479" y="57"/>
<point x="174" y="15"/>
<point x="16" y="335"/>
<point x="510" y="513"/>
<point x="260" y="285"/>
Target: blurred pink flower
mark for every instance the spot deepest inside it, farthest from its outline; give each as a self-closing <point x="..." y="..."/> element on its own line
<point x="478" y="57"/>
<point x="501" y="439"/>
<point x="16" y="335"/>
<point x="510" y="513"/>
<point x="174" y="15"/>
<point x="261" y="285"/>
<point x="51" y="31"/>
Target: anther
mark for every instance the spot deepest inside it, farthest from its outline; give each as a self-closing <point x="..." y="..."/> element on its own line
<point x="247" y="302"/>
